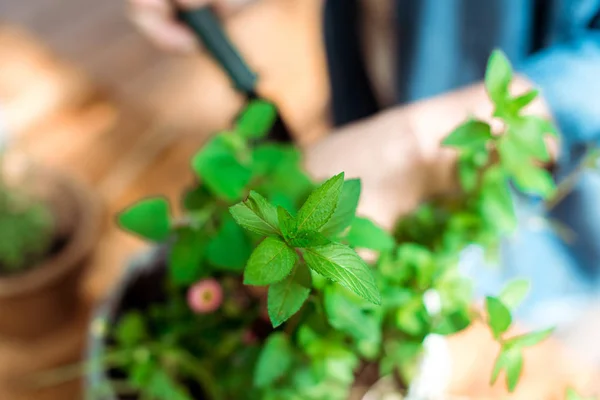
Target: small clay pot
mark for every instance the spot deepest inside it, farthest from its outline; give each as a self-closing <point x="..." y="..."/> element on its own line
<point x="46" y="296"/>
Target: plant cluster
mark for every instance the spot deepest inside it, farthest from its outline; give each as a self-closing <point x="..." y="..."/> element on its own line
<point x="26" y="227"/>
<point x="266" y="297"/>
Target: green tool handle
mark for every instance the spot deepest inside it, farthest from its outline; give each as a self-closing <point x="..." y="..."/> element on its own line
<point x="210" y="33"/>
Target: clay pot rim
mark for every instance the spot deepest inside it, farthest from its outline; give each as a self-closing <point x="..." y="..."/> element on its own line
<point x="80" y="243"/>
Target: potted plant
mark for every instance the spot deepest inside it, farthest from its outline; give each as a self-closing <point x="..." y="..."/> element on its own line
<point x="256" y="290"/>
<point x="48" y="227"/>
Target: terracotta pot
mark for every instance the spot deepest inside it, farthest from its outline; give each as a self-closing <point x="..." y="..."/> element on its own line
<point x="46" y="296"/>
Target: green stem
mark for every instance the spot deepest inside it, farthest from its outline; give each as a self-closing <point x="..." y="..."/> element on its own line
<point x="71" y="372"/>
<point x="201" y="373"/>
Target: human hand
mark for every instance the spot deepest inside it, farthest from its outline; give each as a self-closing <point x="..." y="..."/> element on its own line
<point x="398" y="153"/>
<point x="156" y="20"/>
<point x="548" y="369"/>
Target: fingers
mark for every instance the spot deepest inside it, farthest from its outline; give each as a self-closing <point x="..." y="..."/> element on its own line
<point x="155" y="19"/>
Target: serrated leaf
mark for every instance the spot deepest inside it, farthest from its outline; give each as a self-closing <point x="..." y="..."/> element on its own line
<point x="286" y="297"/>
<point x="270" y="262"/>
<point x="287" y="223"/>
<point x="514" y="293"/>
<point x="497" y="77"/>
<point x="346" y="209"/>
<point x="366" y="235"/>
<point x="529" y="339"/>
<point x="308" y="239"/>
<point x="274" y="360"/>
<point x="257" y="119"/>
<point x="217" y="166"/>
<point x="256" y="215"/>
<point x="148" y="218"/>
<point x="534" y="180"/>
<point x="230" y="248"/>
<point x="131" y="329"/>
<point x="347" y="315"/>
<point x="499" y="317"/>
<point x="320" y="205"/>
<point x="186" y="256"/>
<point x="342" y="265"/>
<point x="472" y="134"/>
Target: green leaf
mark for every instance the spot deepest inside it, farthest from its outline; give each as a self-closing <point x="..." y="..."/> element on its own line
<point x="217" y="166"/>
<point x="467" y="173"/>
<point x="186" y="256"/>
<point x="286" y="297"/>
<point x="148" y="218"/>
<point x="499" y="318"/>
<point x="341" y="264"/>
<point x="162" y="386"/>
<point x="256" y="215"/>
<point x="366" y="235"/>
<point x="510" y="360"/>
<point x="271" y="261"/>
<point x="196" y="198"/>
<point x="347" y="315"/>
<point x="308" y="239"/>
<point x="541" y="125"/>
<point x="526" y="132"/>
<point x="513" y="294"/>
<point x="496" y="202"/>
<point x="513" y="371"/>
<point x="320" y="205"/>
<point x="497" y="77"/>
<point x="287" y="223"/>
<point x="346" y="209"/>
<point x="257" y="119"/>
<point x="131" y="329"/>
<point x="535" y="180"/>
<point x="230" y="248"/>
<point x="512" y="155"/>
<point x="572" y="394"/>
<point x="529" y="339"/>
<point x="274" y="361"/>
<point x="522" y="101"/>
<point x="453" y="322"/>
<point x="473" y="134"/>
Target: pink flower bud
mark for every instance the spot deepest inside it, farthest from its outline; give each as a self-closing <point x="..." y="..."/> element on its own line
<point x="205" y="296"/>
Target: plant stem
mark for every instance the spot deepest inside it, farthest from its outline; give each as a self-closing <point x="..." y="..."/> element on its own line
<point x="201" y="373"/>
<point x="73" y="371"/>
<point x="564" y="188"/>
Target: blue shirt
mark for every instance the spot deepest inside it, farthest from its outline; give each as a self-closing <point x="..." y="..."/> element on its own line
<point x="444" y="44"/>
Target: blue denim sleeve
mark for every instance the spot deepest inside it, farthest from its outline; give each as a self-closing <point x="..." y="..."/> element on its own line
<point x="569" y="78"/>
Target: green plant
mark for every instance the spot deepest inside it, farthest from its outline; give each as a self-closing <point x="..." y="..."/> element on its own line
<point x="26" y="228"/>
<point x="257" y="220"/>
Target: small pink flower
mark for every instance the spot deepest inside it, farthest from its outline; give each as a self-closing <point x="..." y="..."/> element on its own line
<point x="205" y="296"/>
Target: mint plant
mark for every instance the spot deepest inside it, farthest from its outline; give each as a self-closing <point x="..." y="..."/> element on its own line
<point x="26" y="228"/>
<point x="266" y="295"/>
